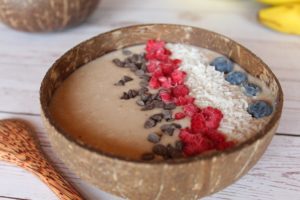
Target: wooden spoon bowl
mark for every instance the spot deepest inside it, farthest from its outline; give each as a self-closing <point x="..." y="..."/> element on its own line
<point x="189" y="178"/>
<point x="19" y="146"/>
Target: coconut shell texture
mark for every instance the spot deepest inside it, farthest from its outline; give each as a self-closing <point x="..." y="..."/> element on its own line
<point x="45" y="15"/>
<point x="183" y="179"/>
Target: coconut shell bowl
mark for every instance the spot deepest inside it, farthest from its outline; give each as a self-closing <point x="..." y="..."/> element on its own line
<point x="188" y="178"/>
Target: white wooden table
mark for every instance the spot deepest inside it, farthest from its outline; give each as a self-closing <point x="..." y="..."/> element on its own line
<point x="24" y="59"/>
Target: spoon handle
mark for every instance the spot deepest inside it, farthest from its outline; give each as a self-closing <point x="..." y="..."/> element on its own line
<point x="19" y="146"/>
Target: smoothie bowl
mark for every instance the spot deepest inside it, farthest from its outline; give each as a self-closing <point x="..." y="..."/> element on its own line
<point x="160" y="111"/>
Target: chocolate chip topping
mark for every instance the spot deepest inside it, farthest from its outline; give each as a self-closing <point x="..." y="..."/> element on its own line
<point x="144" y="68"/>
<point x="145" y="77"/>
<point x="120" y="82"/>
<point x="148" y="156"/>
<point x="168" y="129"/>
<point x="178" y="145"/>
<point x="167" y="115"/>
<point x="131" y="66"/>
<point x="127" y="78"/>
<point x="139" y="72"/>
<point x="153" y="137"/>
<point x="160" y="150"/>
<point x="140" y="102"/>
<point x="143" y="90"/>
<point x="148" y="106"/>
<point x="143" y="83"/>
<point x="126" y="52"/>
<point x="170" y="106"/>
<point x="149" y="123"/>
<point x="145" y="96"/>
<point x="176" y="125"/>
<point x="173" y="152"/>
<point x="132" y="93"/>
<point x="125" y="96"/>
<point x="118" y="62"/>
<point x="157" y="117"/>
<point x="158" y="104"/>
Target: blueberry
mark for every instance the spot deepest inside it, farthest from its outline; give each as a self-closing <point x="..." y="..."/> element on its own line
<point x="222" y="64"/>
<point x="260" y="109"/>
<point x="251" y="89"/>
<point x="236" y="78"/>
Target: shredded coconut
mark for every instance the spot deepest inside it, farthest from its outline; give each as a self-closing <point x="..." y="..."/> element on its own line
<point x="210" y="88"/>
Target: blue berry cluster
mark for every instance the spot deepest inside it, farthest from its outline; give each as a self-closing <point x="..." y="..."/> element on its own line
<point x="222" y="64"/>
<point x="257" y="109"/>
<point x="260" y="109"/>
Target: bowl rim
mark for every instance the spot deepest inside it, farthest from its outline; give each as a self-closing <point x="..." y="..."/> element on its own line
<point x="260" y="134"/>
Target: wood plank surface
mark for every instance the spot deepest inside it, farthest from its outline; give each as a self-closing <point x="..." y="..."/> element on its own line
<point x="25" y="58"/>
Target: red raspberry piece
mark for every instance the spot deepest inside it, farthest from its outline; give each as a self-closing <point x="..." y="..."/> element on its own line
<point x="189" y="99"/>
<point x="176" y="63"/>
<point x="212" y="117"/>
<point x="185" y="135"/>
<point x="198" y="123"/>
<point x="179" y="115"/>
<point x="167" y="68"/>
<point x="152" y="66"/>
<point x="157" y="73"/>
<point x="225" y="145"/>
<point x="219" y="139"/>
<point x="178" y="77"/>
<point x="162" y="79"/>
<point x="154" y="83"/>
<point x="167" y="84"/>
<point x="190" y="109"/>
<point x="180" y="90"/>
<point x="194" y="144"/>
<point x="154" y="45"/>
<point x="215" y="136"/>
<point x="162" y="54"/>
<point x="165" y="96"/>
<point x="180" y="101"/>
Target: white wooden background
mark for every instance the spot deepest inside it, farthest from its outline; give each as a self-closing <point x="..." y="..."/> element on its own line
<point x="24" y="59"/>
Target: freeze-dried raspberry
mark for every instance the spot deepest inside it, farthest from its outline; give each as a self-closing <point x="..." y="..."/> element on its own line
<point x="176" y="63"/>
<point x="167" y="84"/>
<point x="157" y="73"/>
<point x="154" y="83"/>
<point x="178" y="77"/>
<point x="190" y="109"/>
<point x="152" y="66"/>
<point x="189" y="99"/>
<point x="180" y="90"/>
<point x="198" y="123"/>
<point x="165" y="96"/>
<point x="167" y="68"/>
<point x="179" y="115"/>
<point x="218" y="139"/>
<point x="162" y="79"/>
<point x="180" y="101"/>
<point x="226" y="145"/>
<point x="154" y="45"/>
<point x="212" y="117"/>
<point x="194" y="144"/>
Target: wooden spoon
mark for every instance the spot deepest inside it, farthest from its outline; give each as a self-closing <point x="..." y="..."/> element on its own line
<point x="19" y="146"/>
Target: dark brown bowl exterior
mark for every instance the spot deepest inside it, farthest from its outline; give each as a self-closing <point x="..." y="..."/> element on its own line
<point x="45" y="15"/>
<point x="182" y="179"/>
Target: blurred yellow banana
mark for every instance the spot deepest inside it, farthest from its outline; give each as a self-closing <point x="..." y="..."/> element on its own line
<point x="283" y="18"/>
<point x="278" y="2"/>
